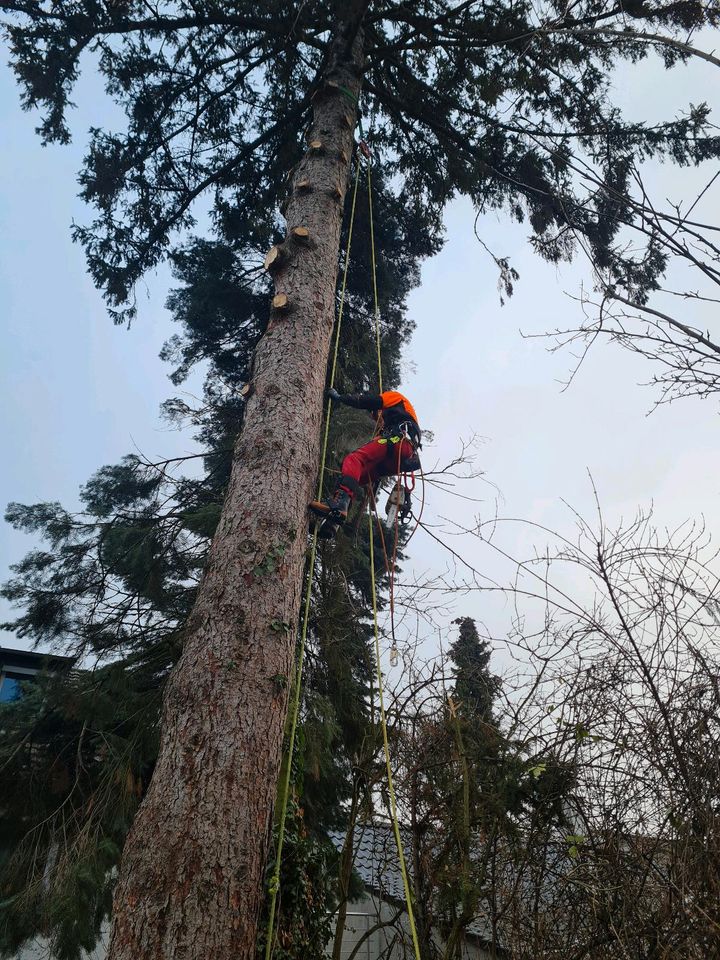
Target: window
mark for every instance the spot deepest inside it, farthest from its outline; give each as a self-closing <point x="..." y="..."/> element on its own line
<point x="9" y="688"/>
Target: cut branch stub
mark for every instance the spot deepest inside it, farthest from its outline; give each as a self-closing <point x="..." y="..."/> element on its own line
<point x="280" y="302"/>
<point x="273" y="258"/>
<point x="336" y="193"/>
<point x="246" y="391"/>
<point x="303" y="186"/>
<point x="300" y="234"/>
<point x="317" y="146"/>
<point x="343" y="157"/>
<point x="328" y="88"/>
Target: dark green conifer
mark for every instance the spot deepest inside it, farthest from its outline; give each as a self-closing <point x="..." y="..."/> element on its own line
<point x="476" y="688"/>
<point x="115" y="585"/>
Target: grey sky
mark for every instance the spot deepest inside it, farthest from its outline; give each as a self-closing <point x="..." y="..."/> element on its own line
<point x="541" y="444"/>
<point x="78" y="393"/>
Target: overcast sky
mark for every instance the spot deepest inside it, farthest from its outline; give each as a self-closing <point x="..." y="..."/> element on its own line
<point x="78" y="393"/>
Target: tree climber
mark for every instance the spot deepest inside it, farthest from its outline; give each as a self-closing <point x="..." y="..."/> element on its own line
<point x="392" y="450"/>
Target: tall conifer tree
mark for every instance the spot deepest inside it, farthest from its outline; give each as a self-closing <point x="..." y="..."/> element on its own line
<point x="222" y="100"/>
<point x="116" y="582"/>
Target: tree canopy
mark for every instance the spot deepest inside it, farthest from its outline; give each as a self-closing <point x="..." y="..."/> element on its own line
<point x="508" y="104"/>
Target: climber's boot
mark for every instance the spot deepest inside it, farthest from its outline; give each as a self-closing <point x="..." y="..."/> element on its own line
<point x="336" y="507"/>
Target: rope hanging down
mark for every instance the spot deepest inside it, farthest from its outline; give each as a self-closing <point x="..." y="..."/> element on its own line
<point x="283" y="798"/>
<point x="366" y="153"/>
<point x="297" y="684"/>
<point x="378" y="670"/>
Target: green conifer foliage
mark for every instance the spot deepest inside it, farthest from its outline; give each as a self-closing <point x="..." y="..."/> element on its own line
<point x="117" y="580"/>
<point x="217" y="97"/>
<point x="472" y="795"/>
<point x="77" y="752"/>
<point x="475" y="687"/>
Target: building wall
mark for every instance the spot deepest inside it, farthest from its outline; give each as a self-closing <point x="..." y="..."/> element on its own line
<point x="362" y="916"/>
<point x="392" y="942"/>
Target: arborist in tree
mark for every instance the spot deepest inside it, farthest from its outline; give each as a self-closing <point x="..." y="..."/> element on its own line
<point x="393" y="449"/>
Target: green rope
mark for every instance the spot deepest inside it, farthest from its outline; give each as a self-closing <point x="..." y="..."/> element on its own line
<point x="347" y="92"/>
<point x="386" y="750"/>
<point x="371" y="504"/>
<point x="274" y="887"/>
<point x="374" y="276"/>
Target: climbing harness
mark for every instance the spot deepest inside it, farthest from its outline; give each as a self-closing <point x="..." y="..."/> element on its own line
<point x="401" y="493"/>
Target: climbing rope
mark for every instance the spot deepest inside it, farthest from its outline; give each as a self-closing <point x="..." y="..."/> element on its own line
<point x="294" y="714"/>
<point x="368" y="157"/>
<point x="274" y="887"/>
<point x="372" y="507"/>
<point x="386" y="749"/>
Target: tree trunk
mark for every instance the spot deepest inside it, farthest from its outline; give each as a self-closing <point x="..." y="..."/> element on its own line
<point x="191" y="877"/>
<point x="345" y="872"/>
<point x="420" y="903"/>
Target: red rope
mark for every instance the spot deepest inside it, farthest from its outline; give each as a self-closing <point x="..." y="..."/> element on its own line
<point x="390" y="564"/>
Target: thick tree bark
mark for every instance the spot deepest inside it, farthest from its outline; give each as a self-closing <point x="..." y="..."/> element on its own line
<point x="191" y="877"/>
<point x="345" y="872"/>
<point x="418" y="872"/>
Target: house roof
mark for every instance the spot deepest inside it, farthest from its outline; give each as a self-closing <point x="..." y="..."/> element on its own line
<point x="14" y="659"/>
<point x="376" y="862"/>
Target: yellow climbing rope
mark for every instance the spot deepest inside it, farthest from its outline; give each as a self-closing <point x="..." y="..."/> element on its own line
<point x="386" y="749"/>
<point x="374" y="270"/>
<point x="297" y="685"/>
<point x="378" y="668"/>
<point x="274" y="887"/>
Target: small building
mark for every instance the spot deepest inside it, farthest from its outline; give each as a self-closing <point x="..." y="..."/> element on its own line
<point x="18" y="666"/>
<point x="377" y="924"/>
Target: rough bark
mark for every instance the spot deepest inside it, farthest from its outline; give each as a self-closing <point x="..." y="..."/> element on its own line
<point x="347" y="858"/>
<point x="422" y="921"/>
<point x="191" y="877"/>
